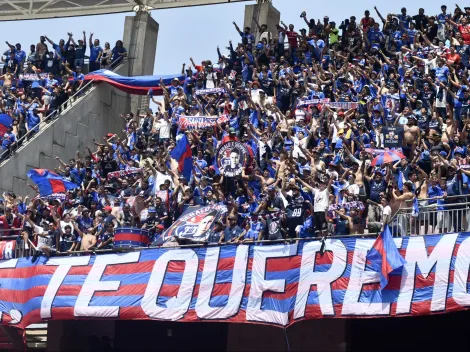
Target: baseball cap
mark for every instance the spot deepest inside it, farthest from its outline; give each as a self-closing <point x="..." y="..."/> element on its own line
<point x="108" y="209"/>
<point x="152" y="210"/>
<point x="160" y="226"/>
<point x="231" y="130"/>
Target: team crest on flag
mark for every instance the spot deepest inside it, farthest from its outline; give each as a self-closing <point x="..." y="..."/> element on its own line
<point x="232" y="157"/>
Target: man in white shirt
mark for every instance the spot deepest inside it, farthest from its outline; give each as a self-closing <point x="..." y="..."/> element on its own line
<point x="165" y="128"/>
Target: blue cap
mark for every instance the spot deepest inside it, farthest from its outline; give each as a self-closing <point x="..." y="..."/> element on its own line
<point x="271" y="188"/>
<point x="259" y="46"/>
<point x="443" y="153"/>
<point x="459" y="150"/>
<point x="152" y="210"/>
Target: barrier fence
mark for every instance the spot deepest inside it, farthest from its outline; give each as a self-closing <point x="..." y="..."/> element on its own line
<point x="451" y="216"/>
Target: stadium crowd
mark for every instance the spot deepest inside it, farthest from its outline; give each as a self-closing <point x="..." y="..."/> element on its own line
<point x="344" y="125"/>
<point x="36" y="84"/>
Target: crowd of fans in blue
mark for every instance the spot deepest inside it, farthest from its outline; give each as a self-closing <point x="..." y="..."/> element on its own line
<point x="345" y="125"/>
<point x="38" y="83"/>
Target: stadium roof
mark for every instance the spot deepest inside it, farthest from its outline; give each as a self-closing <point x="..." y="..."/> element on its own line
<point x="36" y="9"/>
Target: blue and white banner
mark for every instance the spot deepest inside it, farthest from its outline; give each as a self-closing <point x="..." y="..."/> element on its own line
<point x="270" y="284"/>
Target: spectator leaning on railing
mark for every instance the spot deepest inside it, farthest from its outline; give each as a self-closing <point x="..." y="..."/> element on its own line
<point x="342" y="130"/>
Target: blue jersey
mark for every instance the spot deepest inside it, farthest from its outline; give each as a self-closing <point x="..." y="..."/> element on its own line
<point x="94" y="52"/>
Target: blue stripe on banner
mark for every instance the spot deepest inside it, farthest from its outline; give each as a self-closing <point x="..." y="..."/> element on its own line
<point x="279" y="302"/>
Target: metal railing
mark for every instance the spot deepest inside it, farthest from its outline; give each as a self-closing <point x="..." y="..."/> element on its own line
<point x="55" y="114"/>
<point x="432" y="219"/>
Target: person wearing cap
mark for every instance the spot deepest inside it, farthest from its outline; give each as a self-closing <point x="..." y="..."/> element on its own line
<point x="125" y="217"/>
<point x="106" y="237"/>
<point x="231" y="136"/>
<point x="232" y="232"/>
<point x="83" y="219"/>
<point x="46" y="237"/>
<point x="151" y="221"/>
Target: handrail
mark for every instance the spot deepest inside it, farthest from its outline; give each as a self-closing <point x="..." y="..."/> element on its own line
<point x="203" y="245"/>
<point x="433" y="207"/>
<point x="59" y="111"/>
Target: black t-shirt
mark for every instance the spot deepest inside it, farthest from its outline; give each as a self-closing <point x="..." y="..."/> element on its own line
<point x="108" y="165"/>
<point x="275" y="203"/>
<point x="295" y="212"/>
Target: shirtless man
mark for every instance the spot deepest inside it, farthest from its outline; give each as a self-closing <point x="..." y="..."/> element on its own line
<point x="88" y="239"/>
<point x="405" y="199"/>
<point x="421" y="184"/>
<point x="7" y="80"/>
<point x="412" y="135"/>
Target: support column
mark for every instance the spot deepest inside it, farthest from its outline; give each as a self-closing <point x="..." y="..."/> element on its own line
<point x="140" y="39"/>
<point x="265" y="13"/>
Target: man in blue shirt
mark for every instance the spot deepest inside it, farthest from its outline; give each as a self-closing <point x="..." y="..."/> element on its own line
<point x="375" y="36"/>
<point x="20" y="56"/>
<point x="95" y="54"/>
<point x="247" y="37"/>
<point x="33" y="119"/>
<point x="8" y="140"/>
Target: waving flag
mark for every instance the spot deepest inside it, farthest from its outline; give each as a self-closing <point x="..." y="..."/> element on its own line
<point x="49" y="182"/>
<point x="183" y="155"/>
<point x="384" y="256"/>
<point x="5" y="122"/>
<point x="134" y="85"/>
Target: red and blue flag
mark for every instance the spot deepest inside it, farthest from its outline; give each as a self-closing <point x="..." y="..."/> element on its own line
<point x="184" y="156"/>
<point x="134" y="85"/>
<point x="384" y="256"/>
<point x="5" y="122"/>
<point x="49" y="182"/>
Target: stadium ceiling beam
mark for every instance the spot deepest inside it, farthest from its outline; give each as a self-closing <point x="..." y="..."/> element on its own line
<point x="11" y="10"/>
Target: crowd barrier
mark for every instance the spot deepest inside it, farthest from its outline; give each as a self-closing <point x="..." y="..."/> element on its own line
<point x="432" y="219"/>
<point x="450" y="216"/>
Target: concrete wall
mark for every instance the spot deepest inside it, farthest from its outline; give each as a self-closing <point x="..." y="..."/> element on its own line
<point x="140" y="39"/>
<point x="90" y="117"/>
<point x="265" y="13"/>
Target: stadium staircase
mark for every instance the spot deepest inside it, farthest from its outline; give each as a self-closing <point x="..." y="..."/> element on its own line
<point x="92" y="114"/>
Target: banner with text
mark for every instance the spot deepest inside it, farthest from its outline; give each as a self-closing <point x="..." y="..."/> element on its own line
<point x="200" y="122"/>
<point x="275" y="284"/>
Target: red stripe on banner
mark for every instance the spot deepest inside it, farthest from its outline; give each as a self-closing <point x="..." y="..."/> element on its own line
<point x="340" y="284"/>
<point x="226" y="263"/>
<point x="456" y="249"/>
<point x="289" y="292"/>
<point x="350" y="257"/>
<point x="326" y="258"/>
<point x="128" y="269"/>
<point x="21" y="297"/>
<point x="31" y="271"/>
<point x="221" y="289"/>
<point x="283" y="264"/>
